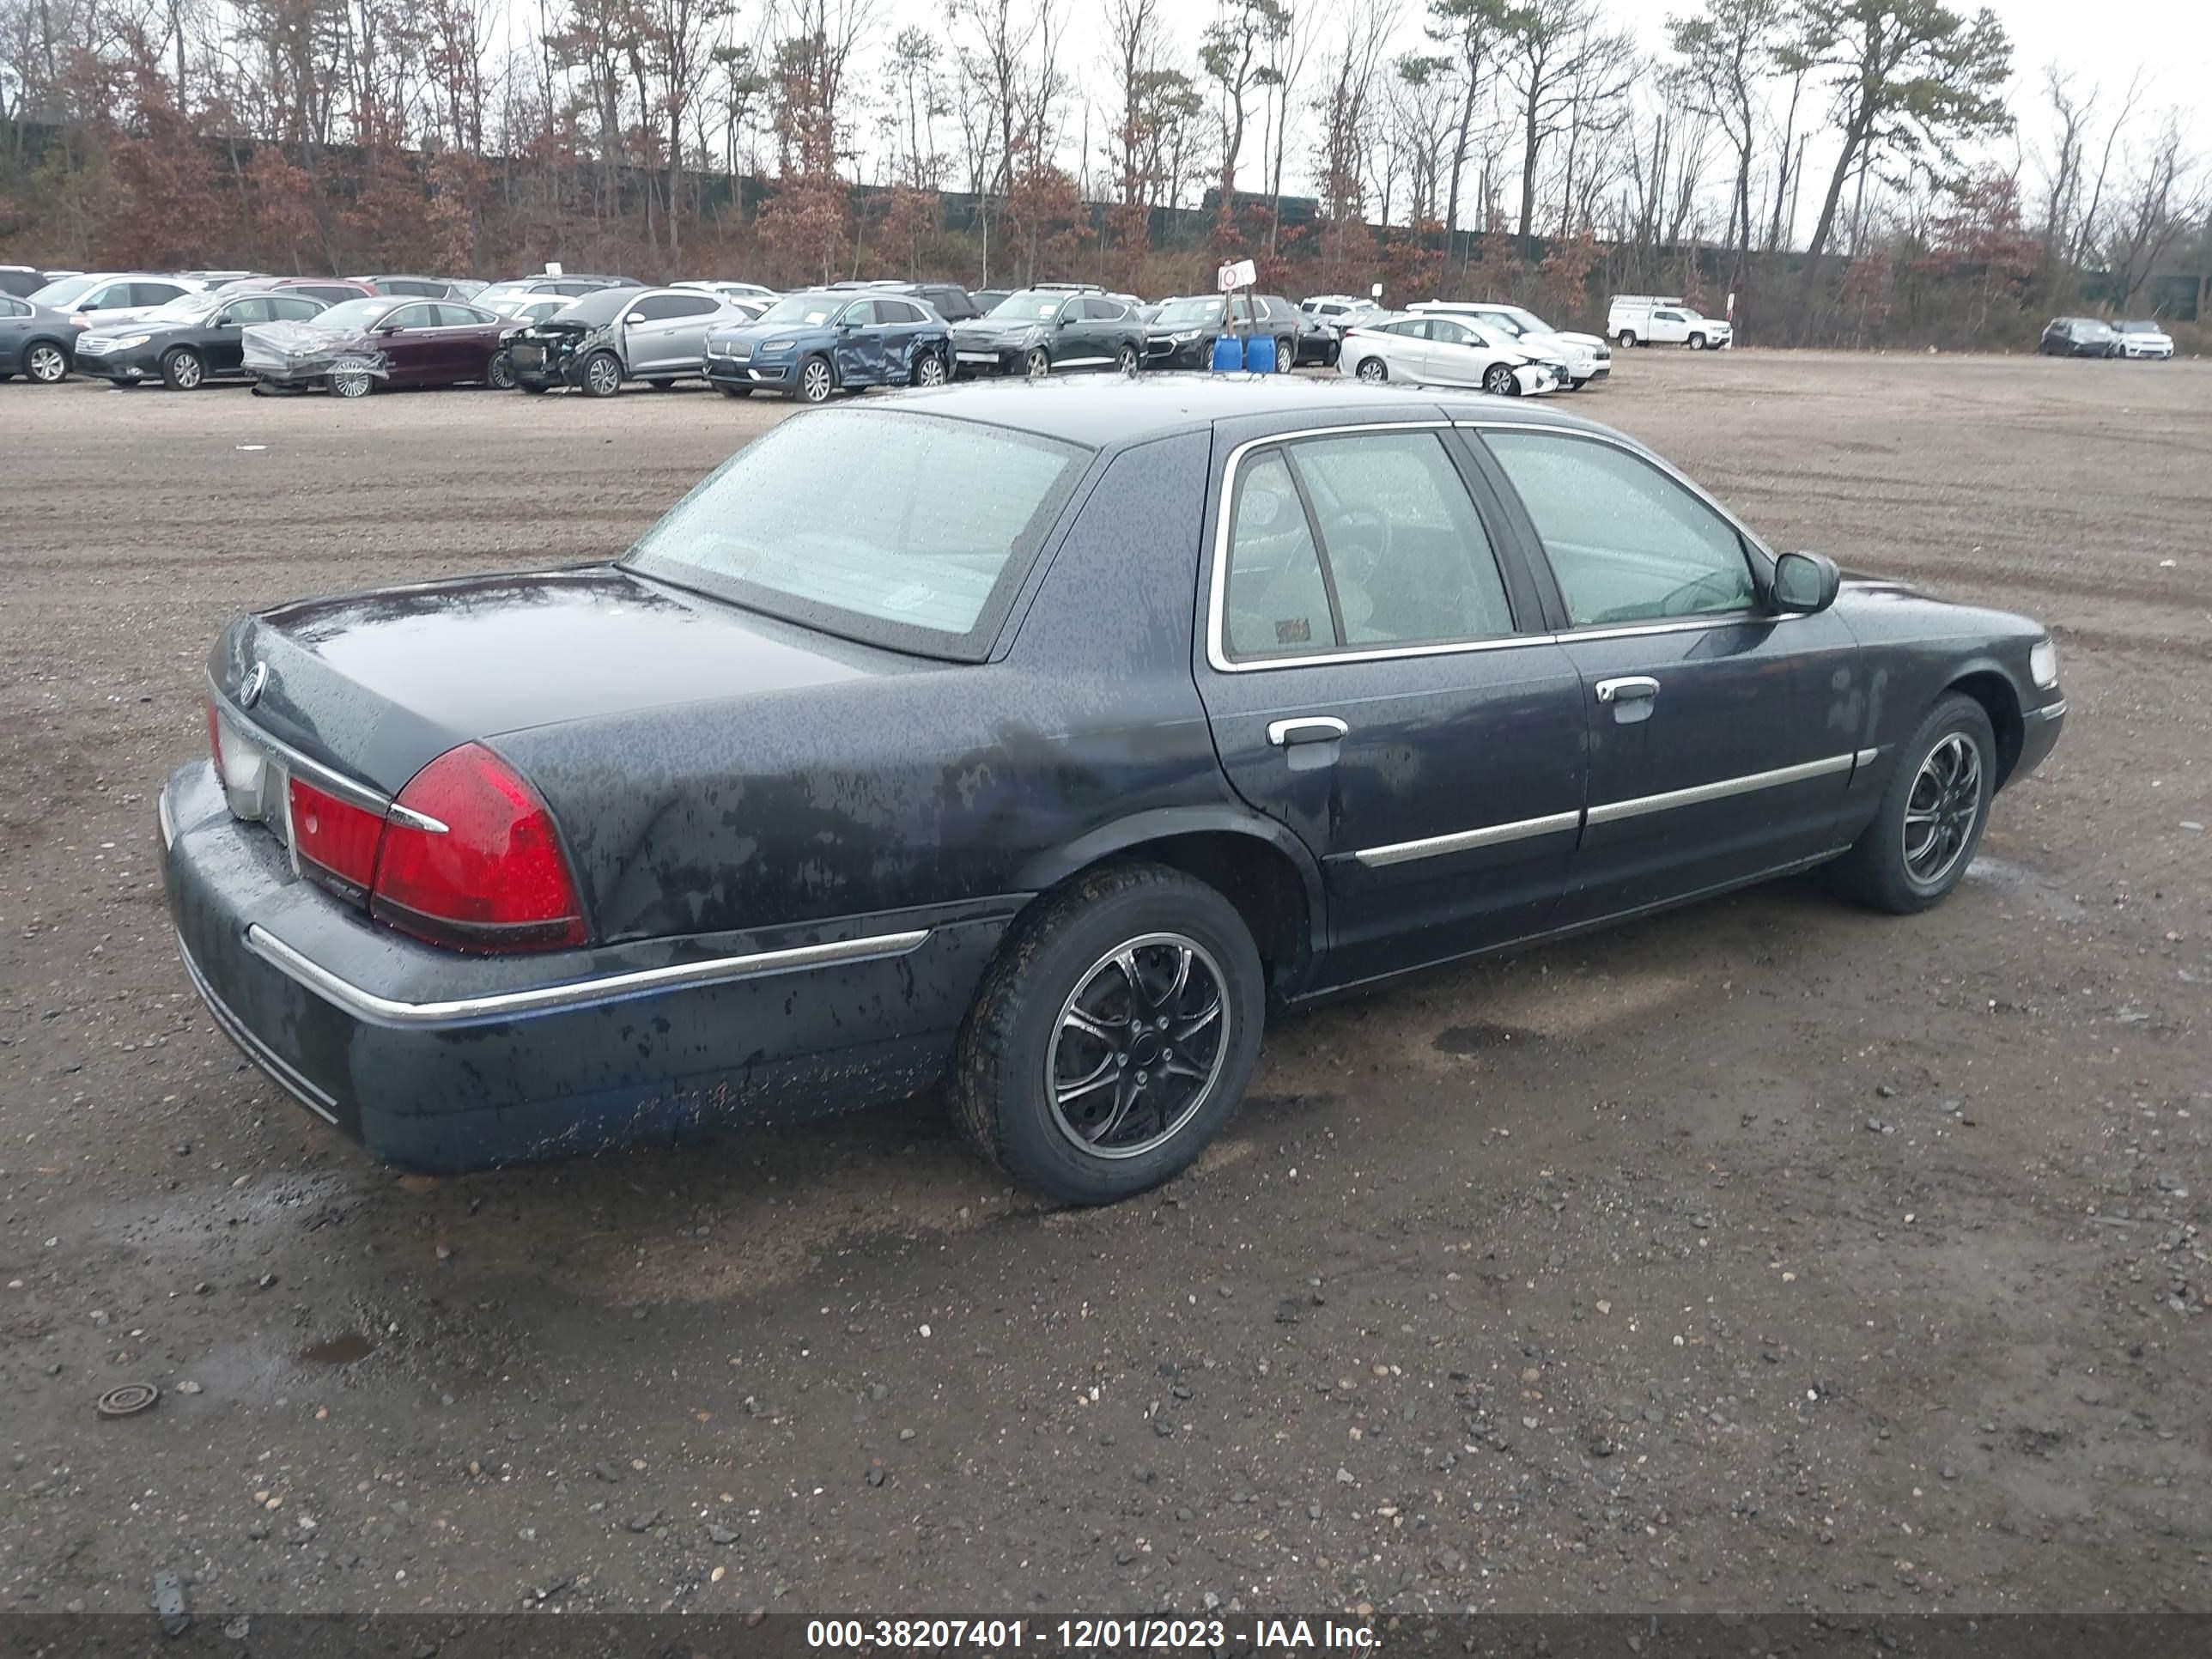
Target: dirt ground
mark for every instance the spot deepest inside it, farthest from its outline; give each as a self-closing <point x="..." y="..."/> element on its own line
<point x="1766" y="1256"/>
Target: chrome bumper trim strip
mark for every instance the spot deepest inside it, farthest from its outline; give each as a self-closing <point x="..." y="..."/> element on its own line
<point x="316" y="1100"/>
<point x="1612" y="811"/>
<point x="545" y="999"/>
<point x="1490" y="835"/>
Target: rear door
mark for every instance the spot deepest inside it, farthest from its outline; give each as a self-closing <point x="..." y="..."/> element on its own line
<point x="900" y="323"/>
<point x="1720" y="735"/>
<point x="1380" y="679"/>
<point x="470" y="336"/>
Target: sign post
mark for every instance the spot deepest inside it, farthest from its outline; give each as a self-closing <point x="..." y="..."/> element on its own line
<point x="1229" y="350"/>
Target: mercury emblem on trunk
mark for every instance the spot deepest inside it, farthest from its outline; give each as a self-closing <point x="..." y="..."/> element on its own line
<point x="249" y="691"/>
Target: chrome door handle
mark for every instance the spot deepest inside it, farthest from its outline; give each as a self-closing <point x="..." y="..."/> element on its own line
<point x="1635" y="687"/>
<point x="1313" y="728"/>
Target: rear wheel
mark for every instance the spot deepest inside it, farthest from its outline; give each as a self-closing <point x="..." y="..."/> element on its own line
<point x="499" y="373"/>
<point x="1373" y="370"/>
<point x="183" y="369"/>
<point x="603" y="374"/>
<point x="1125" y="360"/>
<point x="816" y="382"/>
<point x="929" y="369"/>
<point x="1286" y="355"/>
<point x="1932" y="814"/>
<point x="45" y="363"/>
<point x="1113" y="1035"/>
<point x="1499" y="381"/>
<point x="1625" y="338"/>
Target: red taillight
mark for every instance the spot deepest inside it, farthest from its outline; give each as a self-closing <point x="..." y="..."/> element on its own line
<point x="338" y="838"/>
<point x="494" y="879"/>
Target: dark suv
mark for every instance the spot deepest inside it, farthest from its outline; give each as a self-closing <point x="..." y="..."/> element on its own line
<point x="1047" y="327"/>
<point x="1182" y="334"/>
<point x="2079" y="337"/>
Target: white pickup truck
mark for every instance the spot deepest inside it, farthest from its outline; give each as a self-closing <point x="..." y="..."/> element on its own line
<point x="1635" y="320"/>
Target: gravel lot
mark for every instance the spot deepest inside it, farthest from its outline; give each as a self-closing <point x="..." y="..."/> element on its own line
<point x="1770" y="1254"/>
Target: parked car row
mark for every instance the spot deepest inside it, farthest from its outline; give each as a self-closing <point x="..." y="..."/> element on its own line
<point x="2091" y="337"/>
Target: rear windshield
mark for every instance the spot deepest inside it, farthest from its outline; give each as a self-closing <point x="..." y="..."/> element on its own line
<point x="897" y="529"/>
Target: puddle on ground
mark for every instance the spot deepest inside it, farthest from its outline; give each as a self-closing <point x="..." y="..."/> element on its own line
<point x="343" y="1349"/>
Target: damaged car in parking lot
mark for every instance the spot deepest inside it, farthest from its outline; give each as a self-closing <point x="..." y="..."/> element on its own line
<point x="657" y="335"/>
<point x="1042" y="740"/>
<point x="353" y="349"/>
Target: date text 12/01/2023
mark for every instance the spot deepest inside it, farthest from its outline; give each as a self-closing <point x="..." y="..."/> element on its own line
<point x="1080" y="1635"/>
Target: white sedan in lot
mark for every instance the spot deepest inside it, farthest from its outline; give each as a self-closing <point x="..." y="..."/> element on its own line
<point x="1433" y="350"/>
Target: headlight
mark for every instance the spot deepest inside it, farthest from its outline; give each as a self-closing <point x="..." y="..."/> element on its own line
<point x="778" y="345"/>
<point x="128" y="342"/>
<point x="2043" y="664"/>
<point x="1185" y="336"/>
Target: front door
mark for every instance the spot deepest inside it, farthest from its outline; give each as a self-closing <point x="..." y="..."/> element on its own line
<point x="225" y="349"/>
<point x="408" y="337"/>
<point x="1379" y="680"/>
<point x="1722" y="734"/>
<point x="859" y="352"/>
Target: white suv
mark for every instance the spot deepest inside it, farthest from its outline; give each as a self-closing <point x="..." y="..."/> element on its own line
<point x="1588" y="357"/>
<point x="2143" y="339"/>
<point x="1635" y="320"/>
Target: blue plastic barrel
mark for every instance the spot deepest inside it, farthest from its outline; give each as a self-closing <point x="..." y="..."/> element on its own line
<point x="1228" y="353"/>
<point x="1260" y="354"/>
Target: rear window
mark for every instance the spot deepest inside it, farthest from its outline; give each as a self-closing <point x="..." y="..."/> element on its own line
<point x="933" y="524"/>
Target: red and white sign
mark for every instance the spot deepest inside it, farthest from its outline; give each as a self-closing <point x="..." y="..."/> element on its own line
<point x="1238" y="274"/>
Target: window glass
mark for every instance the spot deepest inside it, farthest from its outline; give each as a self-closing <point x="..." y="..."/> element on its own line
<point x="1443" y="330"/>
<point x="926" y="558"/>
<point x="243" y="313"/>
<point x="14" y="308"/>
<point x="1406" y="550"/>
<point x="1626" y="543"/>
<point x="1276" y="602"/>
<point x="412" y="316"/>
<point x="154" y="294"/>
<point x="294" y="307"/>
<point x="1104" y="311"/>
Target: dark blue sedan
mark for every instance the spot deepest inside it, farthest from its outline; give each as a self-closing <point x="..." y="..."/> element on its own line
<point x="814" y="345"/>
<point x="1047" y="741"/>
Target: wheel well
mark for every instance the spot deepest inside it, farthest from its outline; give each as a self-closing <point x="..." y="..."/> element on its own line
<point x="1259" y="879"/>
<point x="2002" y="704"/>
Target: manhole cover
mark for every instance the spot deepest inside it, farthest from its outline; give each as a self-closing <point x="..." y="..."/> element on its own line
<point x="131" y="1397"/>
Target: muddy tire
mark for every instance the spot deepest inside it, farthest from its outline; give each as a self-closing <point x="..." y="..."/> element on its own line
<point x="1114" y="1034"/>
<point x="1932" y="814"/>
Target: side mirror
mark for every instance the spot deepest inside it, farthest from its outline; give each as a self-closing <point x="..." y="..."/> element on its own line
<point x="635" y="317"/>
<point x="1805" y="582"/>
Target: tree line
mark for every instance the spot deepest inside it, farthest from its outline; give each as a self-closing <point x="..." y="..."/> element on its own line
<point x="1855" y="171"/>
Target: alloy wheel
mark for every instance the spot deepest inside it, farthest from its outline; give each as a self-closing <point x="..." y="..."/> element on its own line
<point x="186" y="371"/>
<point x="603" y="376"/>
<point x="1497" y="380"/>
<point x="1941" y="812"/>
<point x="930" y="371"/>
<point x="45" y="364"/>
<point x="1371" y="370"/>
<point x="814" y="383"/>
<point x="1038" y="362"/>
<point x="1125" y="360"/>
<point x="351" y="383"/>
<point x="500" y="372"/>
<point x="1138" y="1047"/>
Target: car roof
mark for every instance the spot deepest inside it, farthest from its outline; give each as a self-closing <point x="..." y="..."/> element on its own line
<point x="1110" y="409"/>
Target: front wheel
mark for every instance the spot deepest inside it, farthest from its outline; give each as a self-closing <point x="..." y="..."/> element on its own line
<point x="1931" y="816"/>
<point x="1125" y="360"/>
<point x="1499" y="381"/>
<point x="1373" y="370"/>
<point x="1697" y="342"/>
<point x="183" y="369"/>
<point x="603" y="374"/>
<point x="44" y="364"/>
<point x="1113" y="1035"/>
<point x="351" y="382"/>
<point x="816" y="382"/>
<point x="1625" y="339"/>
<point x="1038" y="363"/>
<point x="929" y="369"/>
<point x="499" y="373"/>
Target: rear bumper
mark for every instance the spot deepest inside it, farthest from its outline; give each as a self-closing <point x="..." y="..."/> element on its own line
<point x="438" y="1061"/>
